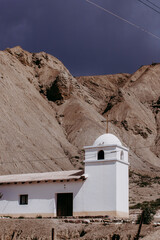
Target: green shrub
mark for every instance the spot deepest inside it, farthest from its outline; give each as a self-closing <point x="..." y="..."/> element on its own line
<point x="136" y="206"/>
<point x="147" y="215"/>
<point x="154" y="63"/>
<point x="153" y="204"/>
<point x="145" y="180"/>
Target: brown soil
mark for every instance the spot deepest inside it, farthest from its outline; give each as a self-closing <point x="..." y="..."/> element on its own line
<point x="42" y="229"/>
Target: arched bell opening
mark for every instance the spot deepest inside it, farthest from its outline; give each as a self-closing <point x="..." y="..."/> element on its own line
<point x="101" y="155"/>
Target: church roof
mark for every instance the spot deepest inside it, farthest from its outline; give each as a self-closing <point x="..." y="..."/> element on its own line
<point x="43" y="177"/>
<point x="107" y="139"/>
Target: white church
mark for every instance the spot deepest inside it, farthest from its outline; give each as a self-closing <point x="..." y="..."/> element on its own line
<point x="101" y="189"/>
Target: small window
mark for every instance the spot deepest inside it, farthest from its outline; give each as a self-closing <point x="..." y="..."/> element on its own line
<point x="24" y="199"/>
<point x="122" y="155"/>
<point x="101" y="155"/>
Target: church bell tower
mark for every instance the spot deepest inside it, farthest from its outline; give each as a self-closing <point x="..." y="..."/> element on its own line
<point x="106" y="165"/>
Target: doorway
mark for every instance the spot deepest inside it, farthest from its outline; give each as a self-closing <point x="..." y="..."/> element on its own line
<point x="64" y="204"/>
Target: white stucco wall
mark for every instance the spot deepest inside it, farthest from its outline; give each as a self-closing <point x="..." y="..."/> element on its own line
<point x="104" y="192"/>
<point x="41" y="197"/>
<point x="100" y="187"/>
<point x="107" y="180"/>
<point x="122" y="187"/>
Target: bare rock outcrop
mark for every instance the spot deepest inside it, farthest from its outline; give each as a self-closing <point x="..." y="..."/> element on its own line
<point x="47" y="115"/>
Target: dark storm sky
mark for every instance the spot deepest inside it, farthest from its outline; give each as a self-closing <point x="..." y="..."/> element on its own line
<point x="86" y="39"/>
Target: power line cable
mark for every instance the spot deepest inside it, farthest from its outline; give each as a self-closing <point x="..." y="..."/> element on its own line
<point x="46" y="159"/>
<point x="153" y="4"/>
<point x="40" y="160"/>
<point x="149" y="6"/>
<point x="146" y="146"/>
<point x="68" y="157"/>
<point x="53" y="159"/>
<point x="123" y="19"/>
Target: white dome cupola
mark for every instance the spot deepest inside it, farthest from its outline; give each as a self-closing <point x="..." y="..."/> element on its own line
<point x="107" y="139"/>
<point x="106" y="147"/>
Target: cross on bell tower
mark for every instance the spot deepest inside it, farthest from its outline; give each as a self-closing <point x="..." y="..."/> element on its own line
<point x="107" y="123"/>
<point x="106" y="162"/>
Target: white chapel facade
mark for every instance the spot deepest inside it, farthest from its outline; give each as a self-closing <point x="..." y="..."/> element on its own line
<point x="100" y="190"/>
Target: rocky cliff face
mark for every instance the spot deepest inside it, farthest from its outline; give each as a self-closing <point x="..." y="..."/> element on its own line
<point x="47" y="115"/>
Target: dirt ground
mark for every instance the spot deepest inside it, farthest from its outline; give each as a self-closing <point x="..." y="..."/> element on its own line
<point x="41" y="229"/>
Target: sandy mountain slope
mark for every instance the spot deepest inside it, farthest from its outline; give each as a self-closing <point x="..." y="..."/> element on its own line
<point x="47" y="115"/>
<point x="132" y="106"/>
<point x="31" y="138"/>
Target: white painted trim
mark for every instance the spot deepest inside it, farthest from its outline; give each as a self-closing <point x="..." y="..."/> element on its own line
<point x="107" y="161"/>
<point x="103" y="146"/>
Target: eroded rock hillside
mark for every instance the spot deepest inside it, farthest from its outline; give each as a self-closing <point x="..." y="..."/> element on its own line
<point x="47" y="115"/>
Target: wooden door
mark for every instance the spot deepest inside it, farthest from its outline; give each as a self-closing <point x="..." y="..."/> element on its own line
<point x="64" y="204"/>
